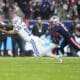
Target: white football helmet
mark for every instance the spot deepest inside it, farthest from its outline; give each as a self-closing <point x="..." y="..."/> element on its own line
<point x="16" y="21"/>
<point x="54" y="19"/>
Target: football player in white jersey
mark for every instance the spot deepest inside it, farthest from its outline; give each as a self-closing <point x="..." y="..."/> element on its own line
<point x="38" y="45"/>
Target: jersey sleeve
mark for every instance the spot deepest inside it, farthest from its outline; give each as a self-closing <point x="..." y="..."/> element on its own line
<point x="17" y="28"/>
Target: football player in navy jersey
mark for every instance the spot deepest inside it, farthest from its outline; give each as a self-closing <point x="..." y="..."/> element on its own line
<point x="63" y="31"/>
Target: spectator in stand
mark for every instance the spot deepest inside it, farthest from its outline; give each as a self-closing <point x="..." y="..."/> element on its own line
<point x="1" y="9"/>
<point x="78" y="9"/>
<point x="38" y="29"/>
<point x="73" y="8"/>
<point x="45" y="6"/>
<point x="38" y="1"/>
<point x="57" y="7"/>
<point x="6" y="9"/>
<point x="64" y="13"/>
<point x="51" y="11"/>
<point x="37" y="10"/>
<point x="73" y="2"/>
<point x="28" y="9"/>
<point x="11" y="9"/>
<point x="18" y="10"/>
<point x="31" y="9"/>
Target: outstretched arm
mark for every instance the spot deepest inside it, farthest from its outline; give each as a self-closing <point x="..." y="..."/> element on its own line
<point x="9" y="32"/>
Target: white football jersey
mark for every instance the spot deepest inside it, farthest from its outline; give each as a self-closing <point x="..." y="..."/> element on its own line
<point x="23" y="31"/>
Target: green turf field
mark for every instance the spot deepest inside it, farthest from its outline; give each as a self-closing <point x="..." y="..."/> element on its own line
<point x="29" y="68"/>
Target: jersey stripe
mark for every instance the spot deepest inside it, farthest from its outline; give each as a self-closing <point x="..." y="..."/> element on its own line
<point x="64" y="27"/>
<point x="34" y="47"/>
<point x="75" y="43"/>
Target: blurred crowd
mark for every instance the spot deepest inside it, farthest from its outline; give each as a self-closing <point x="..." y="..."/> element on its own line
<point x="39" y="10"/>
<point x="65" y="9"/>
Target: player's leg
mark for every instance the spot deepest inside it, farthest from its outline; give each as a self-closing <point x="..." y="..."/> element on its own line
<point x="58" y="57"/>
<point x="48" y="52"/>
<point x="35" y="48"/>
<point x="63" y="44"/>
<point x="74" y="43"/>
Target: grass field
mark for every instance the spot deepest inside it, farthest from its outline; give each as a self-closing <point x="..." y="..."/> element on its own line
<point x="29" y="68"/>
